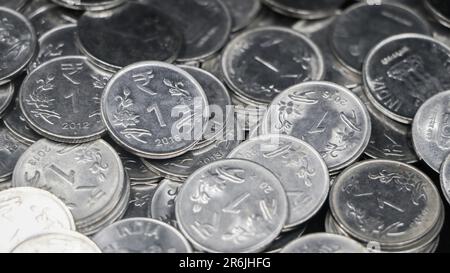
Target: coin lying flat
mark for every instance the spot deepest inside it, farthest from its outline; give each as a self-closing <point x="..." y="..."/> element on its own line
<point x="324" y="243"/>
<point x="353" y="37"/>
<point x="96" y="5"/>
<point x="140" y="33"/>
<point x="305" y="9"/>
<point x="6" y="96"/>
<point x="139" y="204"/>
<point x="300" y="169"/>
<point x="285" y="238"/>
<point x="57" y="242"/>
<point x="136" y="169"/>
<point x="18" y="43"/>
<point x="325" y="115"/>
<point x="430" y="130"/>
<point x="155" y="110"/>
<point x="18" y="127"/>
<point x="387" y="202"/>
<point x="242" y="12"/>
<point x="261" y="63"/>
<point x="403" y="71"/>
<point x="231" y="205"/>
<point x="13" y="4"/>
<point x="141" y="235"/>
<point x="48" y="17"/>
<point x="10" y="151"/>
<point x="26" y="212"/>
<point x="163" y="202"/>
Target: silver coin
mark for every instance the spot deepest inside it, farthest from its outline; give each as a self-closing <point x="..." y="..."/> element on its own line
<point x="89" y="178"/>
<point x="205" y="24"/>
<point x="155" y="110"/>
<point x="440" y="10"/>
<point x="18" y="43"/>
<point x="10" y="151"/>
<point x="325" y="115"/>
<point x="387" y="202"/>
<point x="403" y="71"/>
<point x="163" y="202"/>
<point x="242" y="12"/>
<point x="4" y="185"/>
<point x="431" y="129"/>
<point x="13" y="4"/>
<point x="58" y="42"/>
<point x="26" y="212"/>
<point x="261" y="63"/>
<point x="285" y="238"/>
<point x="300" y="169"/>
<point x="57" y="242"/>
<point x="267" y="17"/>
<point x="324" y="243"/>
<point x="48" y="17"/>
<point x="141" y="235"/>
<point x="15" y="122"/>
<point x="6" y="96"/>
<point x="61" y="99"/>
<point x="445" y="178"/>
<point x="306" y="9"/>
<point x="353" y="37"/>
<point x="231" y="205"/>
<point x="95" y="5"/>
<point x="139" y="204"/>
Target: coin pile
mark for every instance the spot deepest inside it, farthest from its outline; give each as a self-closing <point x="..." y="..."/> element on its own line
<point x="185" y="126"/>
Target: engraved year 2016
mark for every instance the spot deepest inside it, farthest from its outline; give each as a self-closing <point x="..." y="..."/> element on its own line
<point x="335" y="97"/>
<point x="167" y="140"/>
<point x="75" y="125"/>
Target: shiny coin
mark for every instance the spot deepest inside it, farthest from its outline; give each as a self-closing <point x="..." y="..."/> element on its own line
<point x="141" y="235"/>
<point x="285" y="238"/>
<point x="231" y="205"/>
<point x="387" y="202"/>
<point x="10" y="151"/>
<point x="16" y="124"/>
<point x="139" y="204"/>
<point x="136" y="169"/>
<point x="440" y="10"/>
<point x="60" y="242"/>
<point x="300" y="169"/>
<point x="261" y="63"/>
<point x="430" y="130"/>
<point x="163" y="202"/>
<point x="325" y="115"/>
<point x="27" y="212"/>
<point x="61" y="100"/>
<point x="206" y="25"/>
<point x="324" y="243"/>
<point x="268" y="18"/>
<point x="89" y="178"/>
<point x="353" y="37"/>
<point x="242" y="12"/>
<point x="48" y="17"/>
<point x="96" y="5"/>
<point x="403" y="71"/>
<point x="306" y="9"/>
<point x="445" y="178"/>
<point x="6" y="96"/>
<point x="155" y="110"/>
<point x="140" y="33"/>
<point x="13" y="4"/>
<point x="18" y="43"/>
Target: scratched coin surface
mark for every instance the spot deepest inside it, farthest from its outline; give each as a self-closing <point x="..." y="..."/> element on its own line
<point x="242" y="12"/>
<point x="61" y="99"/>
<point x="10" y="151"/>
<point x="88" y="178"/>
<point x="403" y="71"/>
<point x="324" y="243"/>
<point x="48" y="17"/>
<point x="6" y="96"/>
<point x="141" y="33"/>
<point x="385" y="201"/>
<point x="231" y="205"/>
<point x="15" y="122"/>
<point x="57" y="242"/>
<point x="327" y="116"/>
<point x="306" y="9"/>
<point x="141" y="235"/>
<point x="18" y="43"/>
<point x="163" y="202"/>
<point x="300" y="169"/>
<point x="445" y="178"/>
<point x="28" y="211"/>
<point x="13" y="4"/>
<point x="95" y="5"/>
<point x="431" y="130"/>
<point x="205" y="24"/>
<point x="261" y="63"/>
<point x="353" y="36"/>
<point x="139" y="204"/>
<point x="155" y="110"/>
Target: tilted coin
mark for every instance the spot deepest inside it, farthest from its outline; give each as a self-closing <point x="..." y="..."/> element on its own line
<point x="89" y="178"/>
<point x="306" y="9"/>
<point x="136" y="169"/>
<point x="431" y="130"/>
<point x="440" y="10"/>
<point x="141" y="235"/>
<point x="95" y="5"/>
<point x="48" y="17"/>
<point x="388" y="202"/>
<point x="6" y="96"/>
<point x="285" y="238"/>
<point x="353" y="37"/>
<point x="267" y="17"/>
<point x="300" y="169"/>
<point x="155" y="110"/>
<point x="15" y="122"/>
<point x="57" y="242"/>
<point x="139" y="204"/>
<point x="261" y="63"/>
<point x="10" y="151"/>
<point x="231" y="205"/>
<point x="242" y="12"/>
<point x="445" y="178"/>
<point x="163" y="202"/>
<point x="61" y="99"/>
<point x="4" y="185"/>
<point x="324" y="243"/>
<point x="403" y="71"/>
<point x="140" y="33"/>
<point x="29" y="211"/>
<point x="58" y="42"/>
<point x="18" y="43"/>
<point x="205" y="24"/>
<point x="13" y="4"/>
<point x="327" y="116"/>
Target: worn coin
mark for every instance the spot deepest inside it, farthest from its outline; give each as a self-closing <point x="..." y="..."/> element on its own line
<point x="17" y="126"/>
<point x="306" y="9"/>
<point x="10" y="151"/>
<point x="403" y="71"/>
<point x="29" y="211"/>
<point x="155" y="110"/>
<point x="48" y="17"/>
<point x="300" y="169"/>
<point x="139" y="204"/>
<point x="261" y="63"/>
<point x="242" y="12"/>
<point x="95" y="5"/>
<point x="13" y="4"/>
<point x="6" y="96"/>
<point x="324" y="243"/>
<point x="141" y="235"/>
<point x="163" y="202"/>
<point x="231" y="205"/>
<point x="327" y="116"/>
